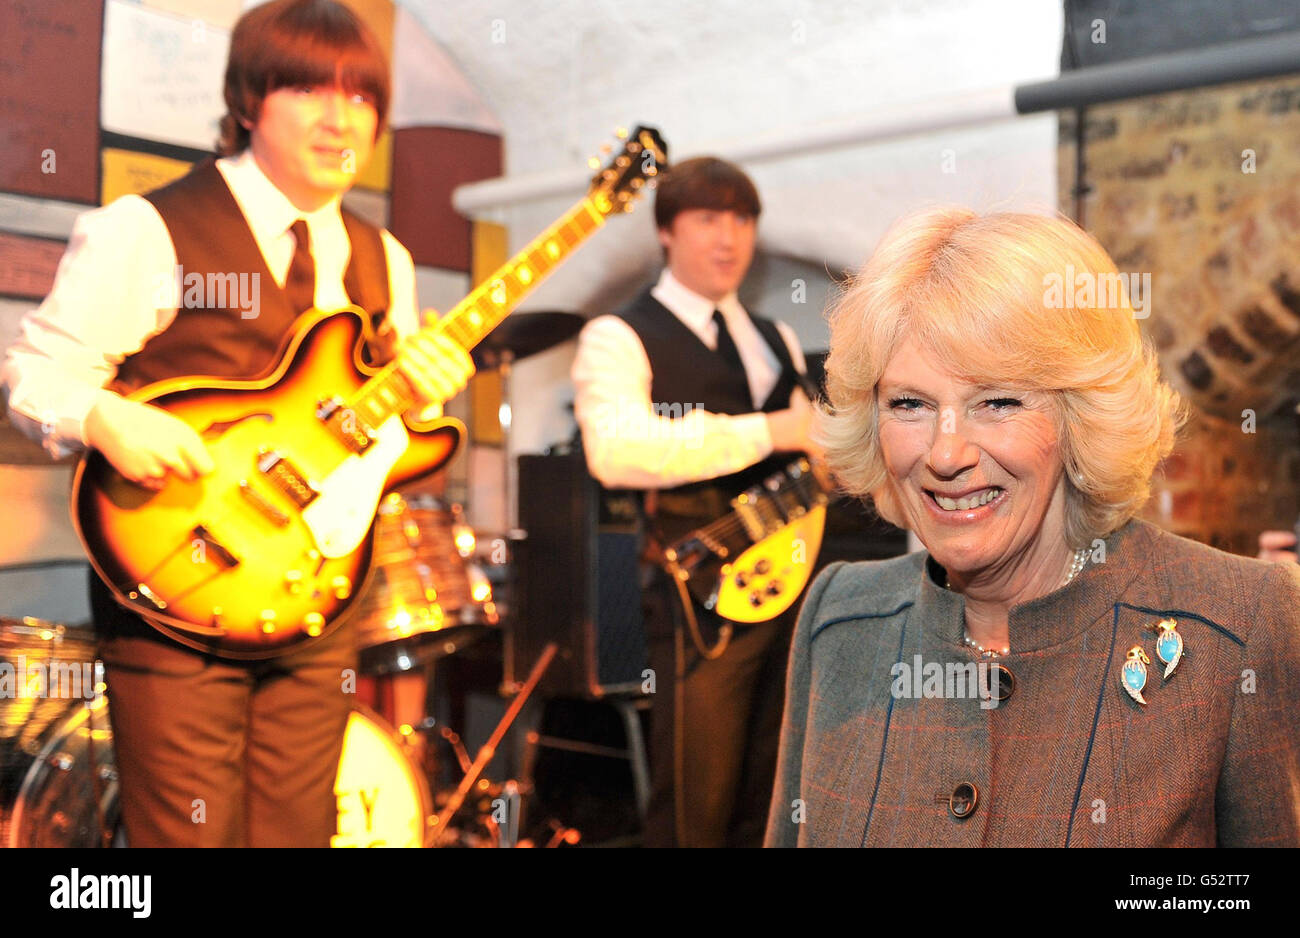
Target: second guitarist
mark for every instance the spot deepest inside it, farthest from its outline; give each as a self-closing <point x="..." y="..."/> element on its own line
<point x="213" y="752"/>
<point x="686" y="394"/>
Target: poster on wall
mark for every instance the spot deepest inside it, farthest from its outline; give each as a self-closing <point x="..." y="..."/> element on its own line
<point x="162" y="75"/>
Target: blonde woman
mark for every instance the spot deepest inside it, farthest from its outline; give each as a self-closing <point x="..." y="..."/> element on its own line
<point x="1049" y="671"/>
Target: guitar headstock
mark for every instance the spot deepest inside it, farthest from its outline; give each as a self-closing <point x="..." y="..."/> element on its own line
<point x="618" y="185"/>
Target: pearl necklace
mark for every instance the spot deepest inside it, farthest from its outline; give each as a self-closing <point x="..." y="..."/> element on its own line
<point x="1080" y="561"/>
<point x="1076" y="565"/>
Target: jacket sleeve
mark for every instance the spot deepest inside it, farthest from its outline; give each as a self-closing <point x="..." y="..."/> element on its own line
<point x="1258" y="799"/>
<point x="784" y="816"/>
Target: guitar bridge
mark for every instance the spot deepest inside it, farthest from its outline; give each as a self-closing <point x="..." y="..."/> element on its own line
<point x="251" y="495"/>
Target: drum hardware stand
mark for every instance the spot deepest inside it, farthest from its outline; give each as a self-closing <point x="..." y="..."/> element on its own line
<point x="485" y="754"/>
<point x="462" y="754"/>
<point x="519" y="336"/>
<point x="634" y="752"/>
<point x="96" y="780"/>
<point x="418" y="748"/>
<point x="509" y="832"/>
<point x="565" y="835"/>
<point x="501" y="360"/>
<point x="505" y="366"/>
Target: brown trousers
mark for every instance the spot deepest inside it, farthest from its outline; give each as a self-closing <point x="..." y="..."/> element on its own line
<point x="729" y="727"/>
<point x="218" y="753"/>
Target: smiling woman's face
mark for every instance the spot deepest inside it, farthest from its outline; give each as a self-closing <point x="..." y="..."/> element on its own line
<point x="976" y="470"/>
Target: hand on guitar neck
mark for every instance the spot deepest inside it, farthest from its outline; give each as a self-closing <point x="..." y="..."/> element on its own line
<point x="791" y="428"/>
<point x="435" y="364"/>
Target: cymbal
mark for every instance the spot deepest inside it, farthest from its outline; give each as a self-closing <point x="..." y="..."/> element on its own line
<point x="524" y="334"/>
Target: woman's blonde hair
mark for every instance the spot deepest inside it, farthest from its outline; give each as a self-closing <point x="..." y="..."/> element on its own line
<point x="1016" y="300"/>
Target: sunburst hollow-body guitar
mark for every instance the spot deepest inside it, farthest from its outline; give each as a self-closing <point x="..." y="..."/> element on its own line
<point x="272" y="549"/>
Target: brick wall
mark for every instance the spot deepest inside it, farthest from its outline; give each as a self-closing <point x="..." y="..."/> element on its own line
<point x="1201" y="189"/>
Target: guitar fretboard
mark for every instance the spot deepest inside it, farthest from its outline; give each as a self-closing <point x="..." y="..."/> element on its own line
<point x="469" y="322"/>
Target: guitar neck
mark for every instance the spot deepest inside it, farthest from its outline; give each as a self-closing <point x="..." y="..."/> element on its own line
<point x="490" y="302"/>
<point x="487" y="305"/>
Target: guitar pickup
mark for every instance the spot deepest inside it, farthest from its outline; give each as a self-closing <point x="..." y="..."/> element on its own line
<point x="748" y="508"/>
<point x="343" y="421"/>
<point x="773" y="486"/>
<point x="285" y="476"/>
<point x="327" y="408"/>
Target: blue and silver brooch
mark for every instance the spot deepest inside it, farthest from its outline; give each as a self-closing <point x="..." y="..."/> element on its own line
<point x="1133" y="675"/>
<point x="1169" y="644"/>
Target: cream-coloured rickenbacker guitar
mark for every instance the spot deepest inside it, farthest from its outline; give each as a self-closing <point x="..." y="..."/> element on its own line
<point x="271" y="550"/>
<point x="751" y="564"/>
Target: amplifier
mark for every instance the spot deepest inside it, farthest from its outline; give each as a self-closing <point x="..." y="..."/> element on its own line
<point x="577" y="581"/>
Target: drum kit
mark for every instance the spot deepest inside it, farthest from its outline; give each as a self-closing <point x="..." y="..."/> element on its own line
<point x="58" y="781"/>
<point x="428" y="598"/>
<point x="427" y="593"/>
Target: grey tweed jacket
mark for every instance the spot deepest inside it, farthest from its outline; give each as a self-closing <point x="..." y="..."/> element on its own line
<point x="1068" y="759"/>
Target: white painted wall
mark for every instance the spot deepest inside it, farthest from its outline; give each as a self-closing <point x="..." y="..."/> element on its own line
<point x="715" y="77"/>
<point x="719" y="77"/>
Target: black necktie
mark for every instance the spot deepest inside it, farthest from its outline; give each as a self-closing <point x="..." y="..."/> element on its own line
<point x="300" y="284"/>
<point x="726" y="345"/>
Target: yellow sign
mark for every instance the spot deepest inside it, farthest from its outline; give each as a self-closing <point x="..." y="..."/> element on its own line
<point x="128" y="173"/>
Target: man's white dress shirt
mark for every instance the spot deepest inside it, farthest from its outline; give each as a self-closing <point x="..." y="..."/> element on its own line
<point x="627" y="443"/>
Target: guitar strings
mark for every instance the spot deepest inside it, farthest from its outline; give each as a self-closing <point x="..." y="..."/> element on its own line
<point x="726" y="526"/>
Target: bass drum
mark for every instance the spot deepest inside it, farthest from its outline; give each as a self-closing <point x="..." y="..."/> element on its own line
<point x="383" y="801"/>
<point x="58" y="779"/>
<point x="58" y="772"/>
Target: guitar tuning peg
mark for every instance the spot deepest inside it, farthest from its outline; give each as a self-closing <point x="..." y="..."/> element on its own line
<point x="593" y="163"/>
<point x="620" y="132"/>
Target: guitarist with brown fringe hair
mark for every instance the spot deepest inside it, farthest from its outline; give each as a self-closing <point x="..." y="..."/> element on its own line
<point x="686" y="394"/>
<point x="213" y="752"/>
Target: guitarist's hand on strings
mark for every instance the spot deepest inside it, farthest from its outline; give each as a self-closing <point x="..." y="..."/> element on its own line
<point x="435" y="364"/>
<point x="144" y="442"/>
